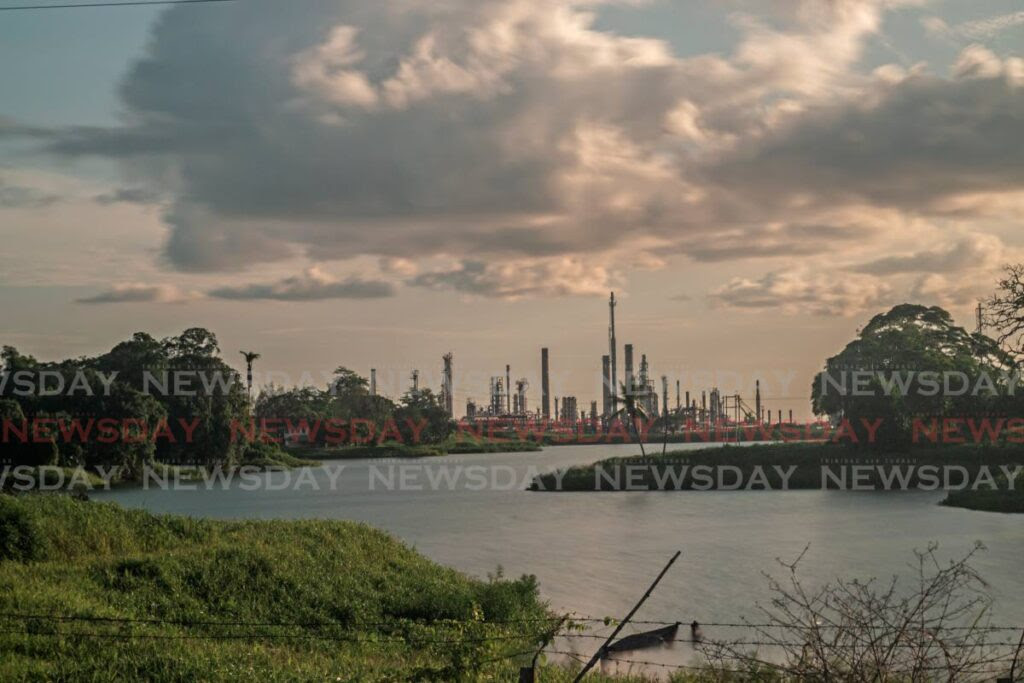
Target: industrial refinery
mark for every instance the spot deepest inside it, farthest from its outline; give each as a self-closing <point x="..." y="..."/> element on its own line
<point x="638" y="393"/>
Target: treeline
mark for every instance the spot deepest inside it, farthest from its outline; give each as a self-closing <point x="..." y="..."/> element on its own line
<point x="94" y="396"/>
<point x="176" y="401"/>
<point x="346" y="412"/>
<point x="912" y="366"/>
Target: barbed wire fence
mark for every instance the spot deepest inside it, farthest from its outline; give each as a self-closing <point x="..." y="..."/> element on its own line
<point x="846" y="630"/>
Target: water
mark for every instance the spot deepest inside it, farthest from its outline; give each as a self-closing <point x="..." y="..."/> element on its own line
<point x="594" y="553"/>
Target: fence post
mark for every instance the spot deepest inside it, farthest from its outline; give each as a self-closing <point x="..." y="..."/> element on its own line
<point x="601" y="650"/>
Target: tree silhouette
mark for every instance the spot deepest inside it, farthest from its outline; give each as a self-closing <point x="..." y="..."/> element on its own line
<point x="250" y="358"/>
<point x="632" y="411"/>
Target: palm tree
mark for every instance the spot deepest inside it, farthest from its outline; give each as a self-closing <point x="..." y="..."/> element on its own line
<point x="250" y="358"/>
<point x="631" y="410"/>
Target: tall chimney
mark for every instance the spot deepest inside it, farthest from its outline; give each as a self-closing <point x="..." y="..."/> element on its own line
<point x="448" y="388"/>
<point x="545" y="384"/>
<point x="629" y="368"/>
<point x="508" y="389"/>
<point x="757" y="402"/>
<point x="664" y="399"/>
<point x="606" y="388"/>
<point x="611" y="351"/>
<point x="373" y="381"/>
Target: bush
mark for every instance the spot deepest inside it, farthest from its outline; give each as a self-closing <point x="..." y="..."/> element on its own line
<point x="19" y="539"/>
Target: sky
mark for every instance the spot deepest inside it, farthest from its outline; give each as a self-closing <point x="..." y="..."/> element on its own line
<point x="335" y="182"/>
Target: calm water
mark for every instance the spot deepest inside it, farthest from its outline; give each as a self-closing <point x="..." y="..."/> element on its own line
<point x="594" y="553"/>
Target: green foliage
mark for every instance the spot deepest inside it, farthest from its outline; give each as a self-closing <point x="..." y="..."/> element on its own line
<point x="422" y="419"/>
<point x="662" y="472"/>
<point x="19" y="539"/>
<point x="904" y="342"/>
<point x="354" y="595"/>
<point x="178" y="382"/>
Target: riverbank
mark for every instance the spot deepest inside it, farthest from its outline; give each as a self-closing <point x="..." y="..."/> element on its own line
<point x="793" y="467"/>
<point x="173" y="598"/>
<point x="1006" y="499"/>
<point x="455" y="445"/>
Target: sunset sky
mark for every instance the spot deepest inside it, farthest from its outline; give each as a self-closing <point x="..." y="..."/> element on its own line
<point x="372" y="184"/>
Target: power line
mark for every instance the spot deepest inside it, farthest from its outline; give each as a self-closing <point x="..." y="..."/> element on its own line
<point x="127" y="3"/>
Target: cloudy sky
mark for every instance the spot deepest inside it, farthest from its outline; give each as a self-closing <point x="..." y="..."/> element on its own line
<point x="373" y="184"/>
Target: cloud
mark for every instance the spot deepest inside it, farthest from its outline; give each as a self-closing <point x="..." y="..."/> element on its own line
<point x="509" y="135"/>
<point x="141" y="293"/>
<point x="521" y="279"/>
<point x="803" y="292"/>
<point x="939" y="289"/>
<point x="977" y="29"/>
<point x="130" y="195"/>
<point x="21" y="197"/>
<point x="909" y="145"/>
<point x="312" y="285"/>
<point x="978" y="251"/>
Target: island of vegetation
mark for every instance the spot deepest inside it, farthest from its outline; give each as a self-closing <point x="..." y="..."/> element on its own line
<point x="894" y="430"/>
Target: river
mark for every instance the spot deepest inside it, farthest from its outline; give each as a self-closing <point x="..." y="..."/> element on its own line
<point x="594" y="553"/>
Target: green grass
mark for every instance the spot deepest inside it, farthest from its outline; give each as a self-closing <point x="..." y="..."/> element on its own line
<point x="368" y="608"/>
<point x="653" y="471"/>
<point x="465" y="443"/>
<point x="1002" y="500"/>
<point x="462" y="444"/>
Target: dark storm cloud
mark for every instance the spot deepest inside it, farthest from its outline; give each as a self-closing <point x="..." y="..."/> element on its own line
<point x="918" y="141"/>
<point x="506" y="129"/>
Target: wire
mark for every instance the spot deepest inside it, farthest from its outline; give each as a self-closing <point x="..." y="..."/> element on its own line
<point x="400" y="621"/>
<point x="266" y="624"/>
<point x="273" y="636"/>
<point x="127" y="3"/>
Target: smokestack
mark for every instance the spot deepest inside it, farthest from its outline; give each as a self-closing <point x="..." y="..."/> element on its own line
<point x="544" y="384"/>
<point x="606" y="388"/>
<point x="373" y="381"/>
<point x="611" y="351"/>
<point x="508" y="389"/>
<point x="677" y="396"/>
<point x="790" y="416"/>
<point x="664" y="399"/>
<point x="629" y="368"/>
<point x="757" y="401"/>
<point x="448" y="388"/>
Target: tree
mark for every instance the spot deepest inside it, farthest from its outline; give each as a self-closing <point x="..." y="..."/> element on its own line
<point x="250" y="358"/>
<point x="423" y="409"/>
<point x="195" y="341"/>
<point x="937" y="628"/>
<point x="632" y="410"/>
<point x="1006" y="309"/>
<point x="899" y="351"/>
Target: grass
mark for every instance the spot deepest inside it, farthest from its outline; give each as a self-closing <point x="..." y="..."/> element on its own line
<point x="460" y="444"/>
<point x="657" y="472"/>
<point x="364" y="607"/>
<point x="1004" y="499"/>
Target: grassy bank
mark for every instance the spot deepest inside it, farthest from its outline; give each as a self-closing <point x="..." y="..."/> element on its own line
<point x="779" y="466"/>
<point x="1006" y="499"/>
<point x="454" y="445"/>
<point x="163" y="598"/>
